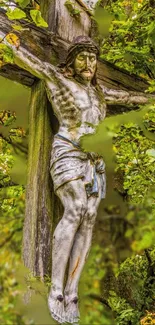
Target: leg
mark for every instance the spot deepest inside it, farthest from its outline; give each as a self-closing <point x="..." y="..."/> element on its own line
<point x="79" y="253"/>
<point x="73" y="198"/>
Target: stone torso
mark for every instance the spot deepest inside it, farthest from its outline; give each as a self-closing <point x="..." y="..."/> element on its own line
<point x="79" y="108"/>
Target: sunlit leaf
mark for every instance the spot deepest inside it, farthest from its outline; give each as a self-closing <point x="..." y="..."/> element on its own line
<point x="6" y="54"/>
<point x="23" y="3"/>
<point x="15" y="14"/>
<point x="7" y="117"/>
<point x="37" y="18"/>
<point x="17" y="27"/>
<point x="150" y="152"/>
<point x="13" y="39"/>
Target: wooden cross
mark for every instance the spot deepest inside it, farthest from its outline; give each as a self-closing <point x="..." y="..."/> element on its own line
<point x="51" y="46"/>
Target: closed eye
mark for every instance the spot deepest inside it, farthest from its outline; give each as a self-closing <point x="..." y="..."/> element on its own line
<point x="81" y="58"/>
<point x="92" y="58"/>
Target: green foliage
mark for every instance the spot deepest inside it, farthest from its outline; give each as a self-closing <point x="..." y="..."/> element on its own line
<point x="11" y="211"/>
<point x="7" y="117"/>
<point x="141" y="220"/>
<point x="24" y="9"/>
<point x="136" y="284"/>
<point x="149" y="120"/>
<point x="15" y="14"/>
<point x="6" y="163"/>
<point x="17" y="27"/>
<point x="73" y="10"/>
<point x="131" y="39"/>
<point x="127" y="256"/>
<point x="135" y="159"/>
<point x="124" y="312"/>
<point x="9" y="288"/>
<point x="37" y="18"/>
<point x="6" y="55"/>
<point x="12" y="202"/>
<point x="23" y="3"/>
<point x="17" y="134"/>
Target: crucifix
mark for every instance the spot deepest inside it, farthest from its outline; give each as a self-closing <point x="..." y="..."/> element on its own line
<point x="79" y="102"/>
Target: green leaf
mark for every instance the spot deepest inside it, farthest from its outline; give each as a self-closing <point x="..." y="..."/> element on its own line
<point x="150" y="152"/>
<point x="6" y="54"/>
<point x="7" y="117"/>
<point x="144" y="243"/>
<point x="23" y="3"/>
<point x="3" y="4"/>
<point x="37" y="18"/>
<point x="17" y="27"/>
<point x="15" y="14"/>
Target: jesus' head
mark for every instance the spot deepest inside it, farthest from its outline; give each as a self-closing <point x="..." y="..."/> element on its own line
<point x="81" y="61"/>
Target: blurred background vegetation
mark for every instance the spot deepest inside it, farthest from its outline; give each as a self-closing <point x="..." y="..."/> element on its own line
<point x="117" y="285"/>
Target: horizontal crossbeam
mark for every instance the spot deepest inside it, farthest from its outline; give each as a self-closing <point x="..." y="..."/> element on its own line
<point x="40" y="42"/>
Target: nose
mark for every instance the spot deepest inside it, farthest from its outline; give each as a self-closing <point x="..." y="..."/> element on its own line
<point x="87" y="62"/>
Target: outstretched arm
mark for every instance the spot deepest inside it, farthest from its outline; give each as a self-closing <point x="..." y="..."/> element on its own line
<point x="130" y="98"/>
<point x="27" y="61"/>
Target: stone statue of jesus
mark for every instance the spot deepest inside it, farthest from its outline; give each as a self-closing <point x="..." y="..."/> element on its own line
<point x="78" y="177"/>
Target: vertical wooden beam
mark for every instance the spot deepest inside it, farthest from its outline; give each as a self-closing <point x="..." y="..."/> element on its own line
<point x="37" y="232"/>
<point x="66" y="25"/>
<point x="39" y="208"/>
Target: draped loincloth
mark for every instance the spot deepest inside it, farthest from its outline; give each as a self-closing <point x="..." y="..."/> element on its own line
<point x="69" y="162"/>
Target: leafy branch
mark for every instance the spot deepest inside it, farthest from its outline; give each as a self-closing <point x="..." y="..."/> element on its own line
<point x="20" y="146"/>
<point x="24" y="9"/>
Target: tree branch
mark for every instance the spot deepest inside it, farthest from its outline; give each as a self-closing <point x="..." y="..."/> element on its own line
<point x="99" y="299"/>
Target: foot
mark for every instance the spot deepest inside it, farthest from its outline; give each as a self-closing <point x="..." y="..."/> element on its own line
<point x="56" y="306"/>
<point x="72" y="314"/>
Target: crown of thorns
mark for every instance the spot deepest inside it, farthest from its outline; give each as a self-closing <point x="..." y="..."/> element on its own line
<point x="80" y="44"/>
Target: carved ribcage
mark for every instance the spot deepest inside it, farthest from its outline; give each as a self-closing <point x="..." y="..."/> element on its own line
<point x="68" y="110"/>
<point x="63" y="104"/>
<point x="74" y="105"/>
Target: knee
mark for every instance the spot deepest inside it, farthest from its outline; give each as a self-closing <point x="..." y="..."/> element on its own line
<point x="76" y="212"/>
<point x="80" y="207"/>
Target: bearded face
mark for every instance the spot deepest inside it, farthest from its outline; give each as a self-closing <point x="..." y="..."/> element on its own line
<point x="85" y="65"/>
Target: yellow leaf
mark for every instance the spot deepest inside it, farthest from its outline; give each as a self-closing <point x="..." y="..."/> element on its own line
<point x="13" y="39"/>
<point x="96" y="284"/>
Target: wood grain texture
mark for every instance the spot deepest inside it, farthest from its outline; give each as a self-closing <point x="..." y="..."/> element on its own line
<point x="40" y="203"/>
<point x="39" y="194"/>
<point x="52" y="48"/>
<point x="66" y="26"/>
<point x="113" y="77"/>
